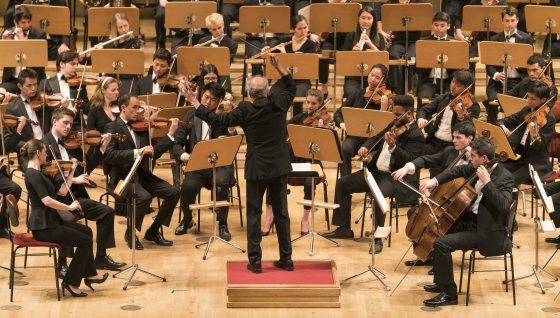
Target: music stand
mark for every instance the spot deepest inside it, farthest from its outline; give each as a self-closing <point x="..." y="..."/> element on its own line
<point x="211" y="154"/>
<point x="119" y="191"/>
<point x="511" y="104"/>
<point x="118" y="61"/>
<point x="315" y="144"/>
<point x="442" y="54"/>
<point x="543" y="19"/>
<point x="28" y="53"/>
<point x="302" y="66"/>
<point x="547" y="204"/>
<point x="264" y="19"/>
<point x="497" y="135"/>
<point x="333" y="18"/>
<point x="53" y="20"/>
<point x="504" y="54"/>
<point x="407" y="17"/>
<point x="380" y="232"/>
<point x="190" y="60"/>
<point x="480" y="18"/>
<point x="365" y="122"/>
<point x="188" y="15"/>
<point x="161" y="100"/>
<point x="100" y="21"/>
<point x="359" y="63"/>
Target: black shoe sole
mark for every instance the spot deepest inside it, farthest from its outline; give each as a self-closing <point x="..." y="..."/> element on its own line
<point x="447" y="303"/>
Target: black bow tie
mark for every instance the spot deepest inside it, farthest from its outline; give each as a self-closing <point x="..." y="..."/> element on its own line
<point x="63" y="78"/>
<point x="60" y="142"/>
<point x="510" y="36"/>
<point x="129" y="124"/>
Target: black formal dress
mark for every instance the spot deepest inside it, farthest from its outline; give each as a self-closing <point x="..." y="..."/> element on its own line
<point x="268" y="160"/>
<point x="485" y="229"/>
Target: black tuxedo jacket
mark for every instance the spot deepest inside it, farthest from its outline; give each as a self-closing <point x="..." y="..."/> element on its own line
<point x="51" y="86"/>
<point x="520" y="90"/>
<point x="520" y="37"/>
<point x="144" y="86"/>
<point x="264" y="124"/>
<point x="34" y="34"/>
<point x="226" y="42"/>
<point x="493" y="208"/>
<point x="439" y="159"/>
<point x="17" y="108"/>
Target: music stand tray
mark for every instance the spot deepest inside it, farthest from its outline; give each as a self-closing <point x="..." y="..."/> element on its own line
<point x="161" y="100"/>
<point x="264" y="19"/>
<point x="538" y="17"/>
<point x="365" y="122"/>
<point x="100" y="20"/>
<point x="302" y="66"/>
<point x="407" y="17"/>
<point x="190" y="60"/>
<point x="498" y="136"/>
<point x="118" y="61"/>
<point x="479" y="18"/>
<point x="28" y="53"/>
<point x="528" y="1"/>
<point x="211" y="154"/>
<point x="359" y="63"/>
<point x="494" y="53"/>
<point x="54" y="20"/>
<point x="442" y="54"/>
<point x="511" y="104"/>
<point x="183" y="15"/>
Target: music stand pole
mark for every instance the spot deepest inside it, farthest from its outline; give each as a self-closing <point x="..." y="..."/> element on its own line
<point x="440" y="62"/>
<point x="505" y="59"/>
<point x="549" y="24"/>
<point x="406" y="23"/>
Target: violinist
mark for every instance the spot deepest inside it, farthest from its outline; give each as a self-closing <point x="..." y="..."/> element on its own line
<point x="429" y="79"/>
<point x="536" y="65"/>
<point x="397" y="144"/>
<point x="185" y="140"/>
<point x="209" y="74"/>
<point x="161" y="66"/>
<point x="103" y="108"/>
<point x="103" y="215"/>
<point x="439" y="131"/>
<point x="531" y="139"/>
<point x="482" y="226"/>
<point x="22" y="31"/>
<point x="121" y="155"/>
<point x="375" y="96"/>
<point x="47" y="225"/>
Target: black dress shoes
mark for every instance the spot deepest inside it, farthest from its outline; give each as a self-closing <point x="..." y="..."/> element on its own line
<point x="89" y="281"/>
<point x="62" y="270"/>
<point x="106" y="262"/>
<point x="73" y="293"/>
<point x="442" y="299"/>
<point x="138" y="245"/>
<point x="433" y="288"/>
<point x="428" y="262"/>
<point x="158" y="239"/>
<point x="255" y="267"/>
<point x="224" y="232"/>
<point x="285" y="264"/>
<point x="182" y="228"/>
<point x="553" y="240"/>
<point x="341" y="232"/>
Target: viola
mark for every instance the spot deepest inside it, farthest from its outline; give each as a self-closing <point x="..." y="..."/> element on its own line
<point x="171" y="79"/>
<point x="51" y="168"/>
<point x="12" y="121"/>
<point x="42" y="99"/>
<point x="320" y="114"/>
<point x="91" y="137"/>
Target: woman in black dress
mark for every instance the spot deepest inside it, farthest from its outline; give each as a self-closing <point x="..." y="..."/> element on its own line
<point x="46" y="225"/>
<point x="102" y="110"/>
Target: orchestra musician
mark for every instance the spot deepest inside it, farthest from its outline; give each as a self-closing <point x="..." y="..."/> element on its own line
<point x="482" y="227"/>
<point x="161" y="66"/>
<point x="7" y="185"/>
<point x="475" y="37"/>
<point x="121" y="155"/>
<point x="536" y="72"/>
<point x="447" y="115"/>
<point x="185" y="140"/>
<point x="375" y="96"/>
<point x="393" y="147"/>
<point x="510" y="19"/>
<point x="268" y="160"/>
<point x="103" y="215"/>
<point x="22" y="31"/>
<point x="530" y="140"/>
<point x="46" y="225"/>
<point x="103" y="108"/>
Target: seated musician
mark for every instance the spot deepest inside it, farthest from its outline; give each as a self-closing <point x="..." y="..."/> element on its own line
<point x="530" y="141"/>
<point x="371" y="97"/>
<point x="103" y="215"/>
<point x="388" y="152"/>
<point x="161" y="66"/>
<point x="429" y="79"/>
<point x="365" y="38"/>
<point x="314" y="102"/>
<point x="463" y="134"/>
<point x="482" y="225"/>
<point x="22" y="31"/>
<point x="439" y="131"/>
<point x="121" y="155"/>
<point x="536" y="70"/>
<point x="510" y="19"/>
<point x="185" y="140"/>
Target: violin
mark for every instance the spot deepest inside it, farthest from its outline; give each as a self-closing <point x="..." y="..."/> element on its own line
<point x="171" y="79"/>
<point x="75" y="81"/>
<point x="537" y="116"/>
<point x="320" y="114"/>
<point x="51" y="168"/>
<point x="12" y="121"/>
<point x="91" y="137"/>
<point x="378" y="92"/>
<point x="156" y="123"/>
<point x="42" y="99"/>
<point x="466" y="100"/>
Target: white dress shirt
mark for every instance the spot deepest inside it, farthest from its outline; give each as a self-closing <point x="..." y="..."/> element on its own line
<point x="37" y="131"/>
<point x="444" y="130"/>
<point x="155" y="86"/>
<point x="63" y="153"/>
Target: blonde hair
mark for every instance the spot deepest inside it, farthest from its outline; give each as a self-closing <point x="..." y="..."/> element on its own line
<point x="119" y="16"/>
<point x="214" y="19"/>
<point x="98" y="99"/>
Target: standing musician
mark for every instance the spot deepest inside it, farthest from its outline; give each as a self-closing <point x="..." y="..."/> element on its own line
<point x="365" y="38"/>
<point x="510" y="19"/>
<point x="47" y="226"/>
<point x="121" y="154"/>
<point x="268" y="160"/>
<point x="482" y="226"/>
<point x="22" y="31"/>
<point x="161" y="66"/>
<point x="103" y="215"/>
<point x="531" y="138"/>
<point x="375" y="96"/>
<point x="536" y="69"/>
<point x="393" y="147"/>
<point x="185" y="140"/>
<point x="449" y="108"/>
<point x="463" y="134"/>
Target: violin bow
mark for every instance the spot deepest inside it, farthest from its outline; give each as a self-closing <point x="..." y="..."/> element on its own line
<point x="63" y="177"/>
<point x="4" y="141"/>
<point x="79" y="91"/>
<point x="83" y="141"/>
<point x="444" y="108"/>
<point x="371" y="97"/>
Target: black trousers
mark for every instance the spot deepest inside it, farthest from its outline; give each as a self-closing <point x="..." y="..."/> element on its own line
<point x="349" y="148"/>
<point x="7" y="186"/>
<point x="148" y="186"/>
<point x="196" y="180"/>
<point x="277" y="187"/>
<point x="75" y="235"/>
<point x="356" y="183"/>
<point x="519" y="170"/>
<point x="353" y="84"/>
<point x="396" y="72"/>
<point x="160" y="26"/>
<point x="492" y="90"/>
<point x="104" y="218"/>
<point x="427" y="88"/>
<point x="435" y="145"/>
<point x="302" y="86"/>
<point x="552" y="189"/>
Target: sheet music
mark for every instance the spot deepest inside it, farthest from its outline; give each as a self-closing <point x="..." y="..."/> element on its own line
<point x="301" y="167"/>
<point x="122" y="184"/>
<point x="547" y="200"/>
<point x="374" y="188"/>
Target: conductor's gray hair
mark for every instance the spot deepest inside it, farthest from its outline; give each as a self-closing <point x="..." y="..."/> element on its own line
<point x="257" y="86"/>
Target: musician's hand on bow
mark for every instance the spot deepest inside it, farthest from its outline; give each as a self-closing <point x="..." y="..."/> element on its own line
<point x="422" y="123"/>
<point x="22" y="120"/>
<point x="105" y="140"/>
<point x="147" y="150"/>
<point x="483" y="174"/>
<point x="399" y="174"/>
<point x="173" y="126"/>
<point x="63" y="48"/>
<point x="428" y="185"/>
<point x="506" y="131"/>
<point x="64" y="102"/>
<point x="74" y="206"/>
<point x="363" y="152"/>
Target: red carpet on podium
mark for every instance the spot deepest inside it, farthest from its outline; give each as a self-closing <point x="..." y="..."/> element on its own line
<point x="305" y="273"/>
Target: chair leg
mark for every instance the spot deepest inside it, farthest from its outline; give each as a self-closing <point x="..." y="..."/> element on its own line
<point x="461" y="275"/>
<point x="240" y="206"/>
<point x="512" y="277"/>
<point x="12" y="269"/>
<point x="198" y="214"/>
<point x="506" y="272"/>
<point x="471" y="270"/>
<point x="56" y="273"/>
<point x="524" y="203"/>
<point x="25" y="258"/>
<point x="396" y="217"/>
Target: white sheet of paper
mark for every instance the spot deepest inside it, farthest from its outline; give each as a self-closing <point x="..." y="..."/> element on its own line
<point x="304" y="166"/>
<point x="379" y="198"/>
<point x="547" y="200"/>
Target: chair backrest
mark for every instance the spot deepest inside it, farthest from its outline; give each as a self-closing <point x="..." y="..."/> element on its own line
<point x="554" y="145"/>
<point x="13" y="211"/>
<point x="510" y="216"/>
